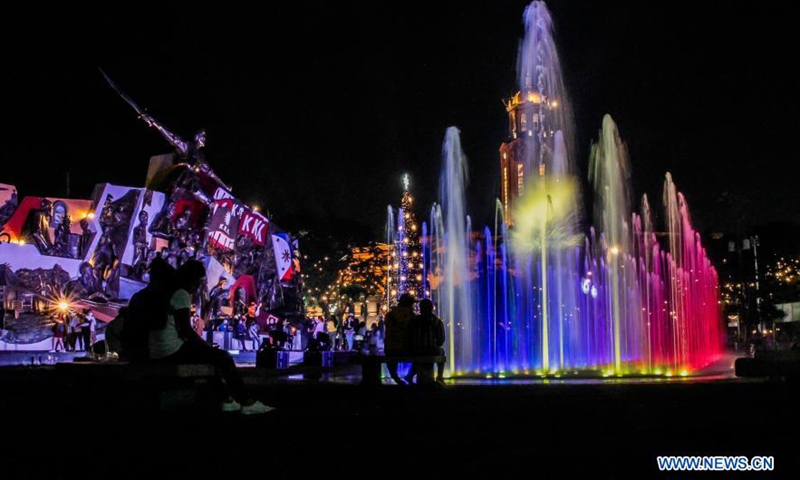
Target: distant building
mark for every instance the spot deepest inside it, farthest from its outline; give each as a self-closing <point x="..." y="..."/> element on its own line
<point x="531" y="129"/>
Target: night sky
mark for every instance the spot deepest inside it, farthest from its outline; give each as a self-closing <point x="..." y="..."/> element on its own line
<point x="317" y="109"/>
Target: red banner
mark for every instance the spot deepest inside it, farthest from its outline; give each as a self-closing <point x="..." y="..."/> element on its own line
<point x="223" y="225"/>
<point x="254" y="225"/>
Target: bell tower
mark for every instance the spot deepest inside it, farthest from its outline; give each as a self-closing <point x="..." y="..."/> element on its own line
<point x="529" y="141"/>
<point x="525" y="119"/>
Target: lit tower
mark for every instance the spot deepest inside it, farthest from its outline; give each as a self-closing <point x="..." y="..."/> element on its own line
<point x="527" y="147"/>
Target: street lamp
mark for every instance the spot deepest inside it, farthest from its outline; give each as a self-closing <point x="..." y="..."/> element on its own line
<point x="754" y="241"/>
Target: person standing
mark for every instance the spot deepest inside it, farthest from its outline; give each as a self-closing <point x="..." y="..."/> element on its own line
<point x="198" y="323"/>
<point x="349" y="331"/>
<point x="87" y="329"/>
<point x="318" y="328"/>
<point x="373" y="339"/>
<point x="74" y="338"/>
<point x="92" y="327"/>
<point x="330" y="327"/>
<point x="240" y="331"/>
<point x="217" y="298"/>
<point x="254" y="332"/>
<point x="59" y="332"/>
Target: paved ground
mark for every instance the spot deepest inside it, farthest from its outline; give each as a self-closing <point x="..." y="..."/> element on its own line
<point x="55" y="428"/>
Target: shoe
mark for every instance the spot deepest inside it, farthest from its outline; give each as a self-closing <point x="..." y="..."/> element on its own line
<point x="256" y="408"/>
<point x="232" y="406"/>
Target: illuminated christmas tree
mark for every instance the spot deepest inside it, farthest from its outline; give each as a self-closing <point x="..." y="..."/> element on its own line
<point x="406" y="262"/>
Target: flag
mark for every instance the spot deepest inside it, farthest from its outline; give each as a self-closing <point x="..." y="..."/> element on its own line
<point x="223" y="225"/>
<point x="254" y="225"/>
<point x="283" y="257"/>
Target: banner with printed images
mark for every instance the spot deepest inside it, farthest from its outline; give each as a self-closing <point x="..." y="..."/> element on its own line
<point x="182" y="213"/>
<point x="251" y="241"/>
<point x="141" y="246"/>
<point x="114" y="215"/>
<point x="8" y="202"/>
<point x="255" y="226"/>
<point x="223" y="225"/>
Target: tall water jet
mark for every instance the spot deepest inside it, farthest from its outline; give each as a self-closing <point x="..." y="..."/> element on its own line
<point x="609" y="173"/>
<point x="545" y="237"/>
<point x="391" y="233"/>
<point x="692" y="283"/>
<point x="455" y="292"/>
<point x="541" y="86"/>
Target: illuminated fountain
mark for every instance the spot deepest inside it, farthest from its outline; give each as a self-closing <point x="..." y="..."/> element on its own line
<point x="541" y="294"/>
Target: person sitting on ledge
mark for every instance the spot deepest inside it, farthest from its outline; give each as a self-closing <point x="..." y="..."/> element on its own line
<point x="397" y="339"/>
<point x="149" y="306"/>
<point x="177" y="342"/>
<point x="426" y="333"/>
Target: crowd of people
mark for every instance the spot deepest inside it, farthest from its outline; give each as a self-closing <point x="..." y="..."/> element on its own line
<point x="74" y="331"/>
<point x="349" y="334"/>
<point x="772" y="342"/>
<point x="401" y="333"/>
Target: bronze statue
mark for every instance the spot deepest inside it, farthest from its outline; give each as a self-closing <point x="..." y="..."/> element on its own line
<point x="218" y="298"/>
<point x="104" y="257"/>
<point x="240" y="302"/>
<point x="7" y="209"/>
<point x="87" y="282"/>
<point x="36" y="229"/>
<point x="107" y="215"/>
<point x="162" y="225"/>
<point x="62" y="237"/>
<point x="141" y="249"/>
<point x="188" y="151"/>
<point x="183" y="225"/>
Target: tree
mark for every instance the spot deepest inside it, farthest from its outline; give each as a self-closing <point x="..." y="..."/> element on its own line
<point x="782" y="280"/>
<point x="405" y="267"/>
<point x="325" y="245"/>
<point x="363" y="276"/>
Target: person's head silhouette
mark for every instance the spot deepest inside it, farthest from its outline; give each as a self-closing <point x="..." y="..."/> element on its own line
<point x="425" y="307"/>
<point x="190" y="275"/>
<point x="406" y="300"/>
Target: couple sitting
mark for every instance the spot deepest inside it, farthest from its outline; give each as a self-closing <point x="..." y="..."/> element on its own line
<point x="157" y="328"/>
<point x="409" y="334"/>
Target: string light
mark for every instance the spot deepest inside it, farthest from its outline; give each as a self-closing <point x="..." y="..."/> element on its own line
<point x="405" y="273"/>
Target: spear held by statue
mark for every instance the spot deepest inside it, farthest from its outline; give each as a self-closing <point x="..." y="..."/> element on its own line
<point x="188" y="151"/>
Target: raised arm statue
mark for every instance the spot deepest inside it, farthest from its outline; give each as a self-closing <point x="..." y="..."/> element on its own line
<point x="187" y="151"/>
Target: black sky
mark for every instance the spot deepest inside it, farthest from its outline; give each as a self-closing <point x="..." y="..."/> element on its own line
<point x="320" y="107"/>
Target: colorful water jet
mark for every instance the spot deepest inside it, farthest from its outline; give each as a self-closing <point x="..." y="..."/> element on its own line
<point x="542" y="294"/>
